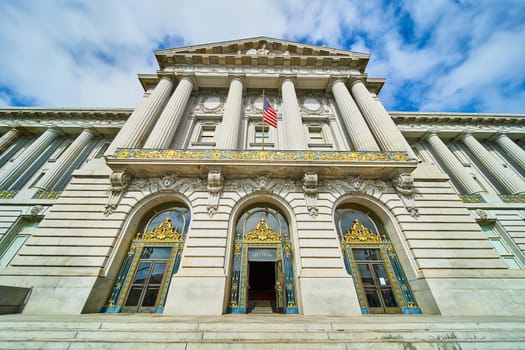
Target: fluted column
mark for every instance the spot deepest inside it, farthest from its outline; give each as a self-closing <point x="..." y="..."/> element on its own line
<point x="458" y="171"/>
<point x="163" y="131"/>
<point x="358" y="130"/>
<point x="143" y="117"/>
<point x="24" y="160"/>
<point x="227" y="134"/>
<point x="507" y="179"/>
<point x="293" y="122"/>
<point x="65" y="160"/>
<point x="382" y="125"/>
<point x="511" y="149"/>
<point x="8" y="138"/>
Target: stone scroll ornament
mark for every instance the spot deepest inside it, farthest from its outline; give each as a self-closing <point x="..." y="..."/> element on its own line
<point x="310" y="188"/>
<point x="215" y="186"/>
<point x="404" y="185"/>
<point x="119" y="182"/>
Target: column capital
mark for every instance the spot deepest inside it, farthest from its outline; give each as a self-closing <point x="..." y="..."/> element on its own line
<point x="188" y="77"/>
<point x="337" y="79"/>
<point x="430" y="133"/>
<point x="356" y="79"/>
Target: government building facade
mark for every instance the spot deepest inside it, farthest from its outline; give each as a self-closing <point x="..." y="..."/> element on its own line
<point x="190" y="204"/>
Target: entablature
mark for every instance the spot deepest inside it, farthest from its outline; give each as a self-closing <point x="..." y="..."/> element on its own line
<point x="328" y="164"/>
<point x="70" y="121"/>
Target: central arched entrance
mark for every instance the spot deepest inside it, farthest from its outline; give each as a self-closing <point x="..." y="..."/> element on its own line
<point x="262" y="276"/>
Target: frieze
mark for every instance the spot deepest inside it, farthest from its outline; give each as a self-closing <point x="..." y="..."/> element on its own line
<point x="261" y="183"/>
<point x="257" y="155"/>
<point x="355" y="185"/>
<point x="264" y="70"/>
<point x="167" y="183"/>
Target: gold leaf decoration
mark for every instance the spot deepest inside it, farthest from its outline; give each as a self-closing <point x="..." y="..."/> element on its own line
<point x="262" y="233"/>
<point x="358" y="233"/>
<point x="165" y="232"/>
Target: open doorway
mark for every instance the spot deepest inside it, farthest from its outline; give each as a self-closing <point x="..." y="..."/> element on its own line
<point x="261" y="282"/>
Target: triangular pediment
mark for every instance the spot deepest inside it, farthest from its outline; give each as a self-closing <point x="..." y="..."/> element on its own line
<point x="261" y="46"/>
<point x="264" y="50"/>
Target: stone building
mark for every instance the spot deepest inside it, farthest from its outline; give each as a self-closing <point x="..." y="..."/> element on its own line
<point x="190" y="204"/>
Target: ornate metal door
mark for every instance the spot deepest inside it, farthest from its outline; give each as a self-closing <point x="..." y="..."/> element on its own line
<point x="262" y="229"/>
<point x="371" y="260"/>
<point x="144" y="277"/>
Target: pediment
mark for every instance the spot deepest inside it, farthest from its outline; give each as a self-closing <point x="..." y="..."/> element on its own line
<point x="261" y="46"/>
<point x="265" y="49"/>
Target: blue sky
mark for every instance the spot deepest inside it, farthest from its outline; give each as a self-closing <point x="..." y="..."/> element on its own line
<point x="436" y="55"/>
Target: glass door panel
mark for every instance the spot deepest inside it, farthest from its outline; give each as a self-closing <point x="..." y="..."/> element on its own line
<point x="375" y="281"/>
<point x="147" y="281"/>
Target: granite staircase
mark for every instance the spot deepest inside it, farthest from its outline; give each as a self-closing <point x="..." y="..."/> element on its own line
<point x="260" y="332"/>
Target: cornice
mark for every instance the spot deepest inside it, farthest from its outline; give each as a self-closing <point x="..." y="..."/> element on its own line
<point x="447" y="117"/>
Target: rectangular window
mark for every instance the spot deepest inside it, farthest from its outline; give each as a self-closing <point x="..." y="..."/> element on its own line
<point x="316" y="135"/>
<point x="207" y="134"/>
<point x="262" y="134"/>
<point x="15" y="239"/>
<point x="503" y="245"/>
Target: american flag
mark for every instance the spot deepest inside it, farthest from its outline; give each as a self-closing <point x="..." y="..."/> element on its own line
<point x="269" y="114"/>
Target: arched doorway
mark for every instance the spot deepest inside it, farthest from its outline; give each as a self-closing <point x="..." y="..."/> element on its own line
<point x="262" y="275"/>
<point x="371" y="259"/>
<point x="152" y="258"/>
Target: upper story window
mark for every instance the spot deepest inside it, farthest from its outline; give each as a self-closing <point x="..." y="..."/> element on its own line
<point x="317" y="137"/>
<point x="261" y="135"/>
<point x="205" y="135"/>
<point x="15" y="239"/>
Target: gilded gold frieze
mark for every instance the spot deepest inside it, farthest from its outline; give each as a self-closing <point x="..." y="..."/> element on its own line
<point x="261" y="155"/>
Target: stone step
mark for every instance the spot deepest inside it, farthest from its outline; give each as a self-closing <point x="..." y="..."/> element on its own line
<point x="119" y="331"/>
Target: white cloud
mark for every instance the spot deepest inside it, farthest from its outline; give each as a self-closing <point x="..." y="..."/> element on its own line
<point x="87" y="53"/>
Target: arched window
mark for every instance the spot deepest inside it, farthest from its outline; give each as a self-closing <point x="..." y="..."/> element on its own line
<point x="153" y="257"/>
<point x="372" y="261"/>
<point x="262" y="274"/>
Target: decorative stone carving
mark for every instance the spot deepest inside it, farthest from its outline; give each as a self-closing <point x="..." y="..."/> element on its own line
<point x="215" y="186"/>
<point x="166" y="183"/>
<point x="212" y="103"/>
<point x="310" y="188"/>
<point x="484" y="217"/>
<point x="119" y="182"/>
<point x="356" y="185"/>
<point x="262" y="183"/>
<point x="404" y="185"/>
<point x="35" y="210"/>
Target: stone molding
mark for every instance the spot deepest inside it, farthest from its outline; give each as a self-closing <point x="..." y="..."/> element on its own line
<point x="404" y="185"/>
<point x="119" y="182"/>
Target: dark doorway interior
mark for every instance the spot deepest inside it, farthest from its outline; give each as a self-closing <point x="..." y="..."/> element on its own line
<point x="261" y="297"/>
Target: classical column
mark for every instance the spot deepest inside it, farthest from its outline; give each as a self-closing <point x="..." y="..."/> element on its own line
<point x="458" y="171"/>
<point x="358" y="130"/>
<point x="292" y="119"/>
<point x="27" y="157"/>
<point x="8" y="138"/>
<point x="511" y="148"/>
<point x="65" y="161"/>
<point x="382" y="125"/>
<point x="143" y="117"/>
<point x="163" y="131"/>
<point x="508" y="180"/>
<point x="227" y="133"/>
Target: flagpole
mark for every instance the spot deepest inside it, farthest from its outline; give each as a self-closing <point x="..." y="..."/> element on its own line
<point x="263" y="122"/>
